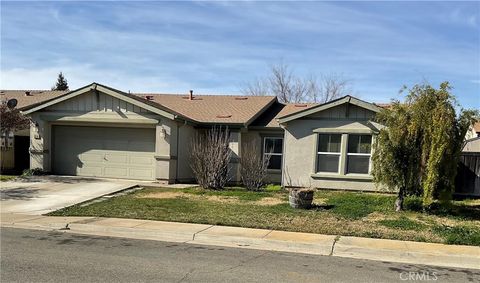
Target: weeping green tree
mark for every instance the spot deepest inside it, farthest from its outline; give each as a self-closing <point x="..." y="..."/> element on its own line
<point x="418" y="150"/>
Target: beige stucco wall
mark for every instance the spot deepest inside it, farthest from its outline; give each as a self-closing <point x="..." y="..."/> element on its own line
<point x="256" y="136"/>
<point x="186" y="133"/>
<point x="300" y="150"/>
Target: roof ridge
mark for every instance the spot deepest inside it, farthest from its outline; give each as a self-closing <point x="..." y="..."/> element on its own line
<point x="34" y="90"/>
<point x="200" y="94"/>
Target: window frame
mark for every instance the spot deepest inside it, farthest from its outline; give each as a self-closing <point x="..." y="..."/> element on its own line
<point x="347" y="154"/>
<point x="318" y="152"/>
<point x="264" y="153"/>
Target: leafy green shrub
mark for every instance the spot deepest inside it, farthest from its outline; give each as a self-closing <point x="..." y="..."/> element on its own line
<point x="413" y="203"/>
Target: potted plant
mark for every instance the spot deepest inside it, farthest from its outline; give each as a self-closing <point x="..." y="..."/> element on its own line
<point x="301" y="197"/>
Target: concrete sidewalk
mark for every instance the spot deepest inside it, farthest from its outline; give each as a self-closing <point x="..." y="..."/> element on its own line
<point x="327" y="245"/>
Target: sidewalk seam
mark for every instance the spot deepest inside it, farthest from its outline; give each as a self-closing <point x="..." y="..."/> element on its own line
<point x="40" y="216"/>
<point x="194" y="234"/>
<point x="337" y="238"/>
<point x="267" y="234"/>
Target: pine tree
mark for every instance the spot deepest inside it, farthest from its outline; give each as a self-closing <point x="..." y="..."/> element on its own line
<point x="61" y="83"/>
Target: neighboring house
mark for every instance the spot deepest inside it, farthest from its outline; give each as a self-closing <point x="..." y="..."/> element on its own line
<point x="472" y="145"/>
<point x="473" y="131"/>
<point x="100" y="131"/>
<point x="14" y="150"/>
<point x="468" y="177"/>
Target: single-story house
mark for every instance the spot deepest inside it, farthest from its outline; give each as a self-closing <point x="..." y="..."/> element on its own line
<point x="14" y="148"/>
<point x="100" y="131"/>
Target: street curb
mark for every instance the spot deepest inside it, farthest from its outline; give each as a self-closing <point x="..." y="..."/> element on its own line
<point x="261" y="239"/>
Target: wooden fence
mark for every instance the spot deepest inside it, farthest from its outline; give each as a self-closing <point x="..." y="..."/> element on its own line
<point x="468" y="175"/>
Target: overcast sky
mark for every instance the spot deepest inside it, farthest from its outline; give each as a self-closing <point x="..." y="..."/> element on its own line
<point x="216" y="47"/>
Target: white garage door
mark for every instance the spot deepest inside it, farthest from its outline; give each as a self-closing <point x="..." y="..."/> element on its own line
<point x="126" y="153"/>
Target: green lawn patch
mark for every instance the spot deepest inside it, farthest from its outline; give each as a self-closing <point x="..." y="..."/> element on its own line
<point x="5" y="178"/>
<point x="334" y="213"/>
<point x="459" y="235"/>
<point x="403" y="223"/>
<point x="352" y="205"/>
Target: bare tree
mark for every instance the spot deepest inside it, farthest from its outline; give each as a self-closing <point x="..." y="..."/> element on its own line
<point x="290" y="88"/>
<point x="253" y="166"/>
<point x="209" y="158"/>
<point x="332" y="86"/>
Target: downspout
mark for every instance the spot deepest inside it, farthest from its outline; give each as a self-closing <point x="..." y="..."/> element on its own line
<point x="283" y="157"/>
<point x="178" y="160"/>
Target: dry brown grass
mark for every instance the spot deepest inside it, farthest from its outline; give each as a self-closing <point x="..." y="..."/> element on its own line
<point x="267" y="201"/>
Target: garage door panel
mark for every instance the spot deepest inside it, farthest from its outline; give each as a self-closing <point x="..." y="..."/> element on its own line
<point x="104" y="152"/>
<point x="91" y="170"/>
<point x="116" y="171"/>
<point x="141" y="160"/>
<point x="116" y="145"/>
<point x="120" y="158"/>
<point x="141" y="146"/>
<point x="92" y="156"/>
<point x="141" y="173"/>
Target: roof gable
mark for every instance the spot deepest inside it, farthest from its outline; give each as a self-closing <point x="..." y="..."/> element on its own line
<point x="132" y="99"/>
<point x="329" y="105"/>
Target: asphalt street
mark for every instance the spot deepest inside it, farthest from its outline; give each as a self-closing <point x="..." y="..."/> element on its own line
<point x="43" y="256"/>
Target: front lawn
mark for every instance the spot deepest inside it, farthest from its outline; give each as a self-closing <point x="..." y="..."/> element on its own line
<point x="5" y="178"/>
<point x="338" y="213"/>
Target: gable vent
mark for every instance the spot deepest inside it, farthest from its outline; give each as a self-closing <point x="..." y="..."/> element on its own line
<point x="224" y="116"/>
<point x="241" y="98"/>
<point x="301" y="105"/>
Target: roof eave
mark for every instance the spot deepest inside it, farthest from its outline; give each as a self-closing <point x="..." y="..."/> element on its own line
<point x="328" y="105"/>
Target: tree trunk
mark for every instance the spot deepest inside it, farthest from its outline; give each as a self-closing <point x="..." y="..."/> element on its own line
<point x="399" y="201"/>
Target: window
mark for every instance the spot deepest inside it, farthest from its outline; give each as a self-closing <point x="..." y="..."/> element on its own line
<point x="358" y="155"/>
<point x="328" y="153"/>
<point x="273" y="148"/>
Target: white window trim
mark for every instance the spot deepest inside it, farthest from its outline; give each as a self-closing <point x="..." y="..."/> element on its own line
<point x="272" y="153"/>
<point x="339" y="154"/>
<point x="343" y="156"/>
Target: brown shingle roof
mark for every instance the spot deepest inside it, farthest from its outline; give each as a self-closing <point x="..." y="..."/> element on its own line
<point x="36" y="96"/>
<point x="227" y="109"/>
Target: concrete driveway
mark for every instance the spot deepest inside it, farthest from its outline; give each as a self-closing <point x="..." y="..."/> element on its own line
<point x="42" y="194"/>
